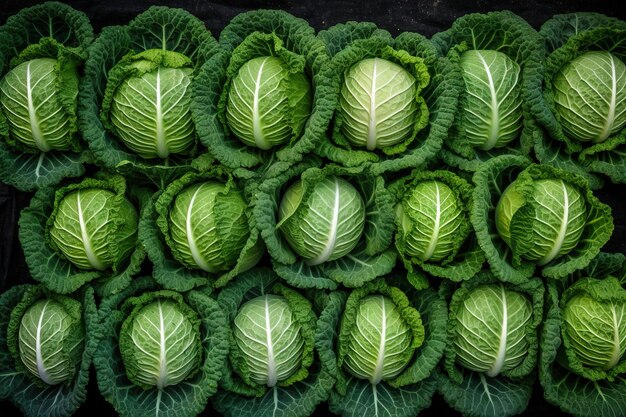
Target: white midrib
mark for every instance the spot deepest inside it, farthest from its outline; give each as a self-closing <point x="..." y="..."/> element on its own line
<point x="496" y="368"/>
<point x="434" y="239"/>
<point x="162" y="377"/>
<point x="41" y="367"/>
<point x="375" y="395"/>
<point x="332" y="233"/>
<point x="259" y="138"/>
<point x="35" y="130"/>
<point x="380" y="359"/>
<point x="560" y="238"/>
<point x="371" y="131"/>
<point x="610" y="119"/>
<point x="495" y="118"/>
<point x="161" y="143"/>
<point x="615" y="355"/>
<point x="89" y="252"/>
<point x="272" y="378"/>
<point x="191" y="241"/>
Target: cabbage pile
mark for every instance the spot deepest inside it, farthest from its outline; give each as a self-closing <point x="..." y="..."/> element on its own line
<point x="280" y="221"/>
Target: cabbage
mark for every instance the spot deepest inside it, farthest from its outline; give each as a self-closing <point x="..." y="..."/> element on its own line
<point x="377" y="104"/>
<point x="325" y="225"/>
<point x="527" y="215"/>
<point x="590" y="96"/>
<point x="267" y="103"/>
<point x="94" y="228"/>
<point x="160" y="344"/>
<point x="559" y="217"/>
<point x="47" y="342"/>
<point x="583" y="351"/>
<point x="268" y="339"/>
<point x="492" y="111"/>
<point x="161" y="352"/>
<point x="42" y="51"/>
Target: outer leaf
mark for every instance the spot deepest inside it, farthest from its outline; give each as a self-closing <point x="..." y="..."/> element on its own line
<point x="54" y="270"/>
<point x="301" y="275"/>
<point x="480" y="396"/>
<point x="34" y="400"/>
<point x="559" y="28"/>
<point x="500" y="31"/>
<point x="382" y="400"/>
<point x="552" y="152"/>
<point x="187" y="398"/>
<point x="33" y="171"/>
<point x="341" y="35"/>
<point x="357" y="268"/>
<point x="157" y="28"/>
<point x="490" y="182"/>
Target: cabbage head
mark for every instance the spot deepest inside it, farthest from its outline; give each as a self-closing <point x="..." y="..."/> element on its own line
<point x="492" y="105"/>
<point x="377" y="104"/>
<point x="491" y="328"/>
<point x="549" y="226"/>
<point x="594" y="327"/>
<point x="51" y="339"/>
<point x="323" y="223"/>
<point x="160" y="343"/>
<point x="590" y="96"/>
<point x="268" y="340"/>
<point x="147" y="103"/>
<point x="33" y="104"/>
<point x="94" y="228"/>
<point x="268" y="103"/>
<point x="380" y="343"/>
<point x="430" y="218"/>
<point x="208" y="226"/>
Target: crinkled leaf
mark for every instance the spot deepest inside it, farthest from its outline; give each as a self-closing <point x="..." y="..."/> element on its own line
<point x="382" y="400"/>
<point x="482" y="396"/>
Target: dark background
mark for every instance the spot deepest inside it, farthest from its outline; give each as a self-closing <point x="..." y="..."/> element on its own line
<point x="423" y="16"/>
